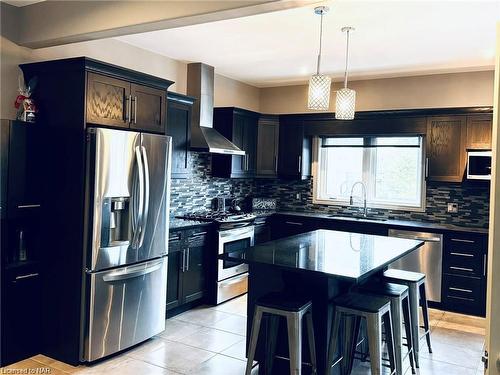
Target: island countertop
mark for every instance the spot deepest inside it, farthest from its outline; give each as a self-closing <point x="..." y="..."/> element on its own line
<point x="344" y="255"/>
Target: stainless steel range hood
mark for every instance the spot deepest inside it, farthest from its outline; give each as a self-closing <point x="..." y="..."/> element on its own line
<point x="204" y="138"/>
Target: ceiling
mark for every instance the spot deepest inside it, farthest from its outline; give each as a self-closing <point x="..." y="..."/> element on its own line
<point x="392" y="38"/>
<point x="21" y="3"/>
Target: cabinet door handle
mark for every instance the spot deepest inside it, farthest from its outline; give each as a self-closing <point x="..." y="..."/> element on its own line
<point x="199" y="234"/>
<point x="484" y="265"/>
<point x="461" y="269"/>
<point x="183" y="261"/>
<point x="426" y="167"/>
<point x="28" y="206"/>
<point x="462" y="240"/>
<point x="460" y="289"/>
<point x="462" y="255"/>
<point x="275" y="163"/>
<point x="128" y="106"/>
<point x="187" y="259"/>
<point x="293" y="223"/>
<point x="135" y="109"/>
<point x="28" y="276"/>
<point x="300" y="164"/>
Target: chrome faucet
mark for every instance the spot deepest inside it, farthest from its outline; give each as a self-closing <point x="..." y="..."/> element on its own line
<point x="351" y="200"/>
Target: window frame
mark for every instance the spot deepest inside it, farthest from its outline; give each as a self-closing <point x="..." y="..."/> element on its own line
<point x="316" y="147"/>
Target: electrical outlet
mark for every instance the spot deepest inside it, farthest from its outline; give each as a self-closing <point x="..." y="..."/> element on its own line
<point x="297" y="196"/>
<point x="453" y="208"/>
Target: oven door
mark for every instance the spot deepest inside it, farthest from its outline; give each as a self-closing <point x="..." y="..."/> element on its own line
<point x="231" y="241"/>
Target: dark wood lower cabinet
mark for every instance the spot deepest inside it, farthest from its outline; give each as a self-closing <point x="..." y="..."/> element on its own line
<point x="188" y="269"/>
<point x="21" y="313"/>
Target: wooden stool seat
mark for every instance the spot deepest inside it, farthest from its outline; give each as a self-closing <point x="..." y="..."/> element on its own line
<point x="384" y="289"/>
<point x="283" y="301"/>
<point x="401" y="275"/>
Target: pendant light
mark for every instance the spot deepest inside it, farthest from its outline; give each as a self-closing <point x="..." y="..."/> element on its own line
<point x="346" y="98"/>
<point x="319" y="84"/>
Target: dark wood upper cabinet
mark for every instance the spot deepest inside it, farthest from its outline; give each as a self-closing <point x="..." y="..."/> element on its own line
<point x="148" y="108"/>
<point x="267" y="146"/>
<point x="108" y="100"/>
<point x="446" y="139"/>
<point x="294" y="157"/>
<point x="240" y="127"/>
<point x="479" y="128"/>
<point x="179" y="128"/>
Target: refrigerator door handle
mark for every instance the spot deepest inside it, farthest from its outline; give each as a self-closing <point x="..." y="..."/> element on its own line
<point x="140" y="209"/>
<point x="146" y="195"/>
<point x="131" y="272"/>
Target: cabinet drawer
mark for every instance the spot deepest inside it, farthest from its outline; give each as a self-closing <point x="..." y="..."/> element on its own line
<point x="465" y="255"/>
<point x="197" y="238"/>
<point x="174" y="242"/>
<point x="464" y="294"/>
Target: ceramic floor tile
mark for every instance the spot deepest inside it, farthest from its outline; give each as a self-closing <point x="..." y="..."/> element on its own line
<point x="148" y="346"/>
<point x="176" y="357"/>
<point x="454" y="337"/>
<point x="429" y="367"/>
<point x="178" y="329"/>
<point x="234" y="324"/>
<point x="237" y="350"/>
<point x="235" y="306"/>
<point x="211" y="339"/>
<point x="129" y="366"/>
<point x="202" y="316"/>
<point x="221" y="365"/>
<point x="455" y="355"/>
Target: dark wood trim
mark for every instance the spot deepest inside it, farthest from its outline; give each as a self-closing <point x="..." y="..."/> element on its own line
<point x="181" y="98"/>
<point x="329" y="116"/>
<point x="238" y="111"/>
<point x="96" y="66"/>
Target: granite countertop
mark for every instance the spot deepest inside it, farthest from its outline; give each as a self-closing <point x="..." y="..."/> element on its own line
<point x="176" y="223"/>
<point x="345" y="255"/>
<point x="390" y="222"/>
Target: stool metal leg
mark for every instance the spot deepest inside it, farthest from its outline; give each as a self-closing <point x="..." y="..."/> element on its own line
<point x="408" y="323"/>
<point x="413" y="295"/>
<point x="350" y="343"/>
<point x="273" y="325"/>
<point x="254" y="336"/>
<point x="294" y="343"/>
<point x="425" y="313"/>
<point x="390" y="339"/>
<point x="396" y="329"/>
<point x="312" y="342"/>
<point x="374" y="329"/>
<point x="332" y="345"/>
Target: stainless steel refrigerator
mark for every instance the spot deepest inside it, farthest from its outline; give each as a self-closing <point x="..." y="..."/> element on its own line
<point x="125" y="275"/>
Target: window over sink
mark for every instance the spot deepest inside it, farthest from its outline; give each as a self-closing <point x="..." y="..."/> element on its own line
<point x="392" y="168"/>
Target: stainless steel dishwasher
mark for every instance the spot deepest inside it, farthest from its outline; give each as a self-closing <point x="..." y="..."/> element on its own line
<point x="427" y="259"/>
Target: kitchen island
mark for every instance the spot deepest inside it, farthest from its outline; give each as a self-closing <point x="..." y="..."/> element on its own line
<point x="321" y="265"/>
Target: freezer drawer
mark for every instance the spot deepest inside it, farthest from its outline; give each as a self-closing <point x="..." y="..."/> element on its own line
<point x="127" y="306"/>
<point x="428" y="259"/>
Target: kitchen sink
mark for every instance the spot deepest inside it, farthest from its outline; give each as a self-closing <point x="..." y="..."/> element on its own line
<point x="356" y="217"/>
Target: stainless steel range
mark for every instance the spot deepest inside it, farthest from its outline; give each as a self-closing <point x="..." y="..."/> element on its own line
<point x="235" y="231"/>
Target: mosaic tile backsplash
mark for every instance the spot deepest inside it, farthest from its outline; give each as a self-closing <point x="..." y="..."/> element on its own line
<point x="197" y="192"/>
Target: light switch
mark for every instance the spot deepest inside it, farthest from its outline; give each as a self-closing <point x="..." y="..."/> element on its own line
<point x="453" y="208"/>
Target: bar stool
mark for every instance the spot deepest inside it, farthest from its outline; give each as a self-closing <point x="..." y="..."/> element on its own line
<point x="400" y="303"/>
<point x="375" y="310"/>
<point x="415" y="281"/>
<point x="294" y="310"/>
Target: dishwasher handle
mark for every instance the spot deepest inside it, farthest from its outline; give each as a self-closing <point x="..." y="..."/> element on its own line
<point x="414" y="237"/>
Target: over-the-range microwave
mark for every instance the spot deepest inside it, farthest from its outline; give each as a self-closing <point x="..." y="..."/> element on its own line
<point x="479" y="164"/>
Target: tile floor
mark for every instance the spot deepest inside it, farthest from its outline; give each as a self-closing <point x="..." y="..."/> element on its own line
<point x="211" y="340"/>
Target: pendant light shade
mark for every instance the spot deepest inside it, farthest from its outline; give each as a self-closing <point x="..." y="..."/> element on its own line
<point x="319" y="92"/>
<point x="345" y="105"/>
<point x="319" y="84"/>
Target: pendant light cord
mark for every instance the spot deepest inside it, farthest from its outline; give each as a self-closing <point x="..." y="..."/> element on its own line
<point x="320" y="42"/>
<point x="346" y="58"/>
